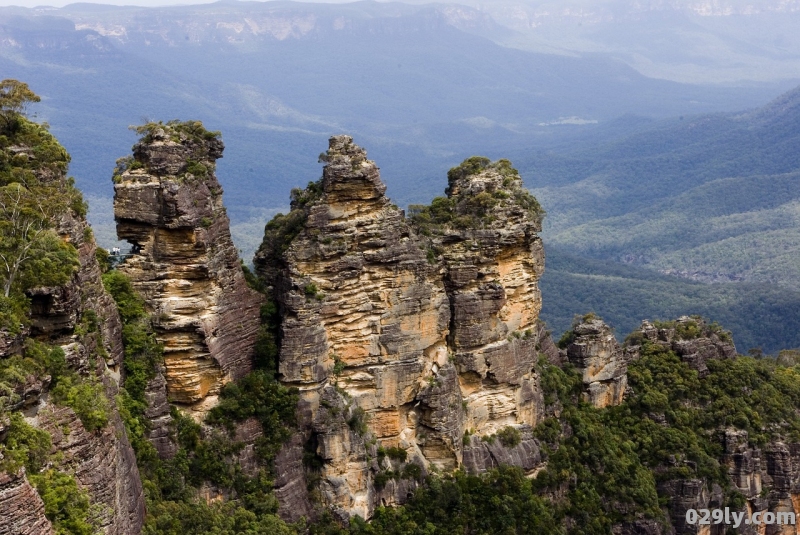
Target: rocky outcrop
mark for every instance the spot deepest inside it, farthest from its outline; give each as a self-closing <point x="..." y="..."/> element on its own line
<point x="81" y="318"/>
<point x="484" y="453"/>
<point x="493" y="259"/>
<point x="691" y="338"/>
<point x="603" y="364"/>
<point x="401" y="341"/>
<point x="23" y="510"/>
<point x="168" y="205"/>
<point x="768" y="478"/>
<point x="685" y="494"/>
<point x="365" y="317"/>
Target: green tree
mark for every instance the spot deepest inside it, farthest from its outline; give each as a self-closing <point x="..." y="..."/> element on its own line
<point x="15" y="96"/>
<point x="28" y="214"/>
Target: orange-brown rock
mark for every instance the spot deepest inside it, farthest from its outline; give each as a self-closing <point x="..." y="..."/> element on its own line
<point x="401" y="341"/>
<point x="168" y="205"/>
<point x="493" y="259"/>
<point x="602" y="362"/>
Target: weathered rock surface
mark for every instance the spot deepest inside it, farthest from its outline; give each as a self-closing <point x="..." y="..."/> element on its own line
<point x="481" y="455"/>
<point x="603" y="364"/>
<point x="22" y="508"/>
<point x="687" y="494"/>
<point x="768" y="478"/>
<point x="104" y="463"/>
<point x="492" y="270"/>
<point x="401" y="341"/>
<point x="168" y="205"/>
<point x="101" y="466"/>
<point x="693" y="340"/>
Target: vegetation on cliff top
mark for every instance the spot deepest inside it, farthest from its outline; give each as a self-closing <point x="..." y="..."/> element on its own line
<point x="471" y="211"/>
<point x="191" y="134"/>
<point x="280" y="232"/>
<point x="33" y="196"/>
<point x="177" y="131"/>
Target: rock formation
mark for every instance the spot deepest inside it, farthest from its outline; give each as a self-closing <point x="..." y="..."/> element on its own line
<point x="692" y="339"/>
<point x="103" y="463"/>
<point x="768" y="478"/>
<point x="168" y="205"/>
<point x="81" y="318"/>
<point x="493" y="262"/>
<point x="401" y="342"/>
<point x="603" y="364"/>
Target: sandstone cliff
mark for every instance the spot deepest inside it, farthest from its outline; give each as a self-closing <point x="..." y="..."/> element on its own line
<point x="23" y="510"/>
<point x="405" y="343"/>
<point x="595" y="353"/>
<point x="81" y="319"/>
<point x="168" y="205"/>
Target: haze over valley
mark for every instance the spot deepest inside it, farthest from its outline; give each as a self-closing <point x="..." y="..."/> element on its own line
<point x="627" y="120"/>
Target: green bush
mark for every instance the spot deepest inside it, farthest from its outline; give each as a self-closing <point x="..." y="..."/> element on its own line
<point x="193" y="130"/>
<point x="396" y="453"/>
<point x="38" y="360"/>
<point x="358" y="421"/>
<point x="129" y="303"/>
<point x="196" y="517"/>
<point x="500" y="501"/>
<point x="86" y="398"/>
<point x="509" y="436"/>
<point x="24" y="445"/>
<point x="65" y="504"/>
<point x="258" y="395"/>
<point x="13" y="312"/>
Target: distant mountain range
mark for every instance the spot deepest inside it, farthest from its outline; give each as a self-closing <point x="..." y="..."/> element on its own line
<point x="712" y="198"/>
<point x="421" y="86"/>
<point x="634" y="169"/>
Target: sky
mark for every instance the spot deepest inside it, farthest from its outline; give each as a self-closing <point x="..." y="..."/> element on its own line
<point x="148" y="3"/>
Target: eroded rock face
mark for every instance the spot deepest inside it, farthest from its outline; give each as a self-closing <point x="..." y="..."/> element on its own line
<point x="491" y="271"/>
<point x="168" y="205"/>
<point x="768" y="478"/>
<point x="399" y="341"/>
<point x="22" y="508"/>
<point x="103" y="463"/>
<point x="103" y="466"/>
<point x="601" y="361"/>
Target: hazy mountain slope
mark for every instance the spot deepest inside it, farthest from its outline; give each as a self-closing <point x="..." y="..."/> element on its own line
<point x="277" y="78"/>
<point x="760" y="315"/>
<point x="682" y="40"/>
<point x="712" y="197"/>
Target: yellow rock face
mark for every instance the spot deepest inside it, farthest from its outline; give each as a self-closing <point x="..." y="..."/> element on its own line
<point x="184" y="263"/>
<point x="401" y="341"/>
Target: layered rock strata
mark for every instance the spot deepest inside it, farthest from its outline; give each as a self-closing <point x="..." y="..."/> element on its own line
<point x="168" y="205"/>
<point x="103" y="463"/>
<point x="81" y="318"/>
<point x="23" y="509"/>
<point x="400" y="342"/>
<point x="603" y="364"/>
<point x="492" y="265"/>
<point x="768" y="478"/>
